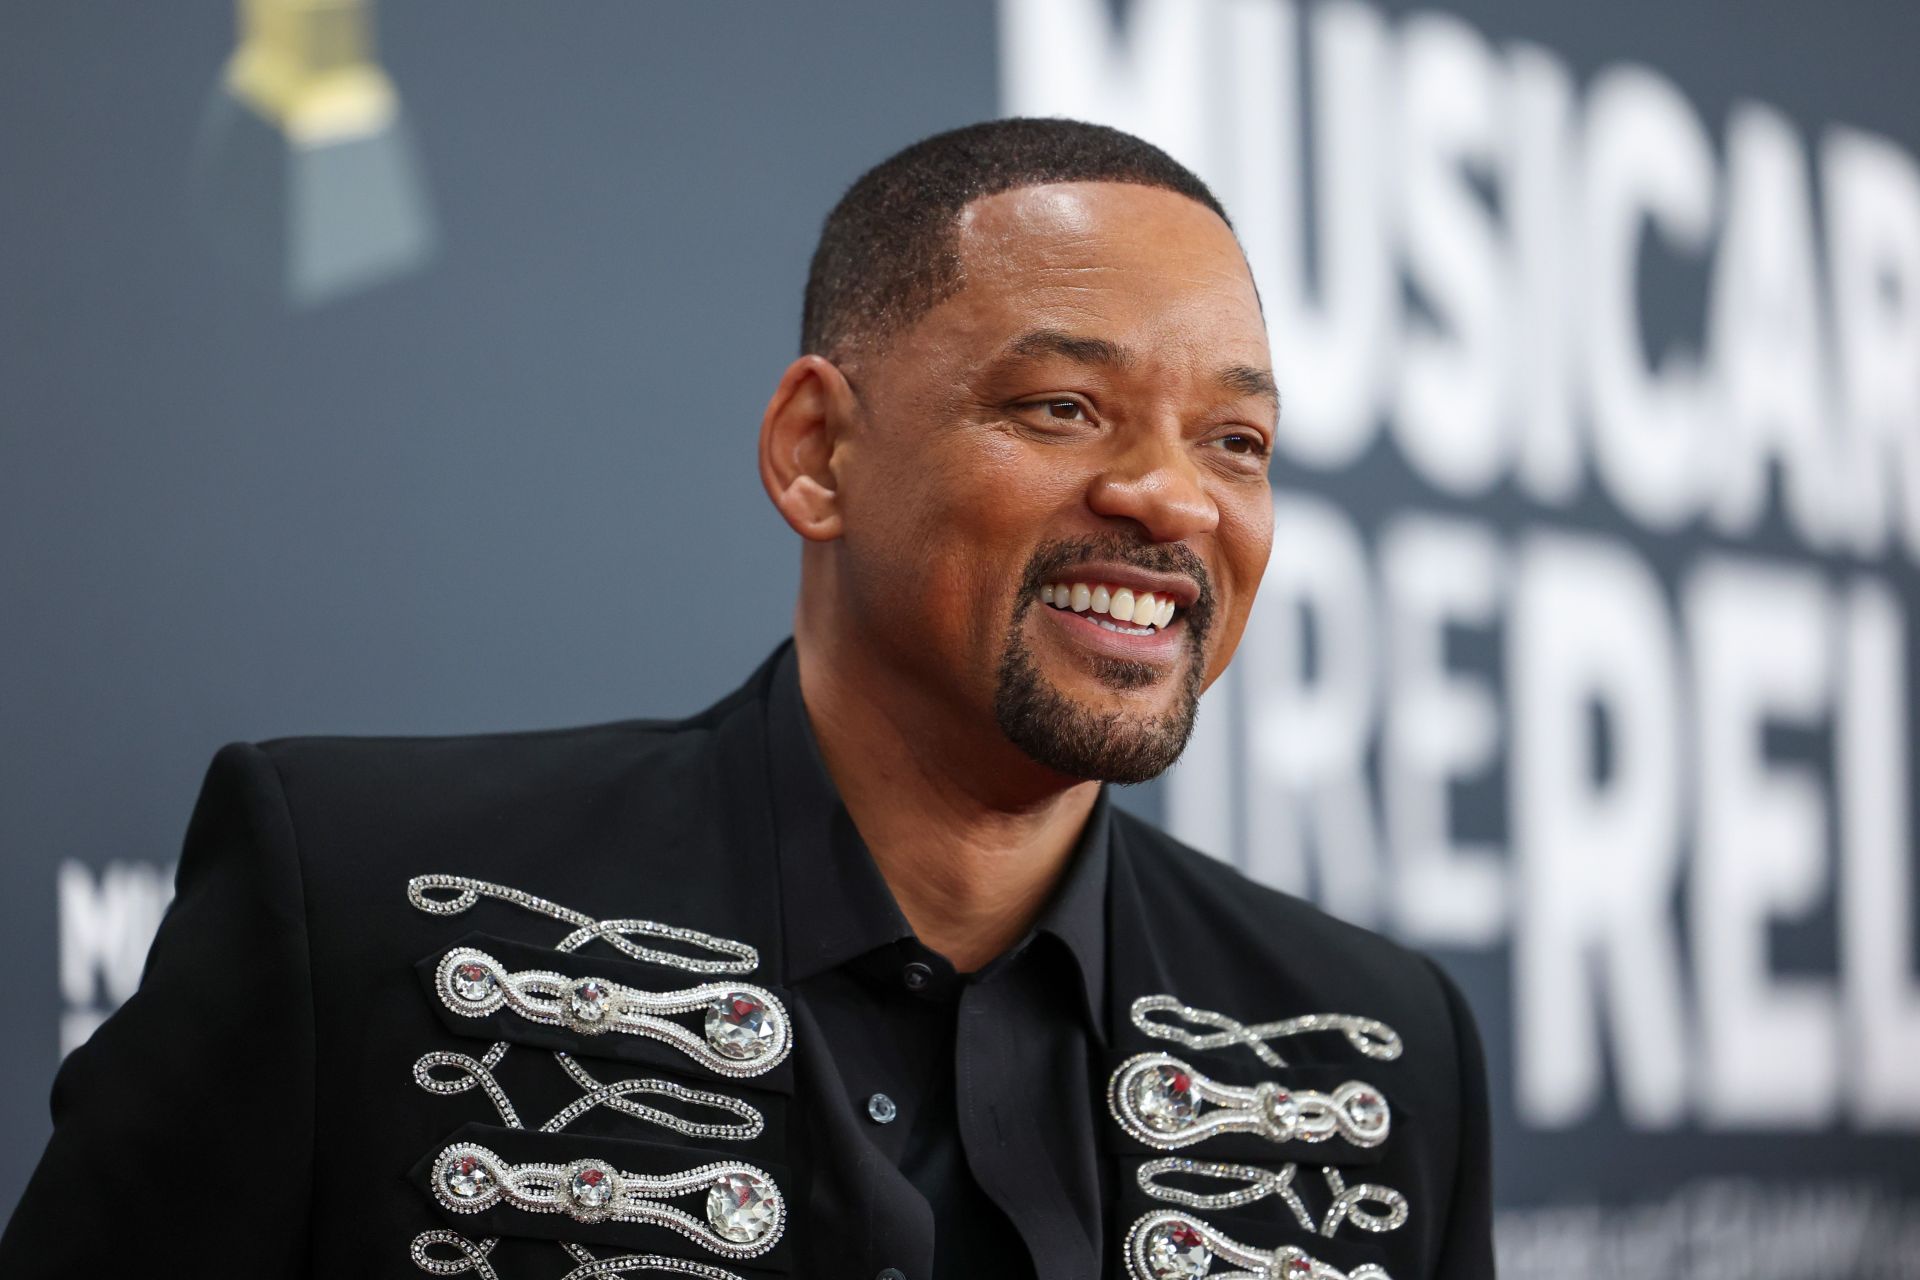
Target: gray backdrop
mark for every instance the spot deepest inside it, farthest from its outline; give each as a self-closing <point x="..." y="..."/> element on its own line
<point x="513" y="486"/>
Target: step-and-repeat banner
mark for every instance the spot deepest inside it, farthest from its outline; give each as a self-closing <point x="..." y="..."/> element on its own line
<point x="1584" y="660"/>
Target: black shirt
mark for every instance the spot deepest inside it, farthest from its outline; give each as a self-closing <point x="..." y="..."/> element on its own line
<point x="978" y="1087"/>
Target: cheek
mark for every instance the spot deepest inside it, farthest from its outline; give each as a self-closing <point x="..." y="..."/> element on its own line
<point x="1246" y="541"/>
<point x="945" y="529"/>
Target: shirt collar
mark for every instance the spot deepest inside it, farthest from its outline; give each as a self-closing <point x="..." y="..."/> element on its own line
<point x="837" y="906"/>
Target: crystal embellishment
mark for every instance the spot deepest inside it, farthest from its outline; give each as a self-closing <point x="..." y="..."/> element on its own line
<point x="1175" y="1249"/>
<point x="738" y="1026"/>
<point x="473" y="981"/>
<point x="1173" y="1246"/>
<point x="742" y="1206"/>
<point x="1367" y="1109"/>
<point x="745" y="1213"/>
<point x="1157" y="1099"/>
<point x="588" y="1000"/>
<point x="592" y="1185"/>
<point x="746" y="1031"/>
<point x="467" y="1177"/>
<point x="1164" y="1098"/>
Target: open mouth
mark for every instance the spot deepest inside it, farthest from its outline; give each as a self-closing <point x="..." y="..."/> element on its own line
<point x="1117" y="609"/>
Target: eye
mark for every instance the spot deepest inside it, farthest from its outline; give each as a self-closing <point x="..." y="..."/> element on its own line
<point x="1245" y="444"/>
<point x="1062" y="410"/>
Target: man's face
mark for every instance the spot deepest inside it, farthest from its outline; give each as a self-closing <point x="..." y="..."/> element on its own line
<point x="1086" y="420"/>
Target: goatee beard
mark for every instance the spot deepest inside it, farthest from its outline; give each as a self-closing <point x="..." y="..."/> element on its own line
<point x="1070" y="738"/>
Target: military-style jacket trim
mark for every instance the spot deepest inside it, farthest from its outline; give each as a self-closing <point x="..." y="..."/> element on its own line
<point x="1160" y="1101"/>
<point x="544" y="1183"/>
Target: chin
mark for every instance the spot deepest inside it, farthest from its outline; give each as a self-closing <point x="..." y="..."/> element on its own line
<point x="1106" y="722"/>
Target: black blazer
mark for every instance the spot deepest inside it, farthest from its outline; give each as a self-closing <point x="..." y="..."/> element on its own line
<point x="254" y="1109"/>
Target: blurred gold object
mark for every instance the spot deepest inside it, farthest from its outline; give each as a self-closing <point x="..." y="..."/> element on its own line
<point x="307" y="66"/>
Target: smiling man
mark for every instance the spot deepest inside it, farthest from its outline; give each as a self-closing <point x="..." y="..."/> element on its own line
<point x="855" y="974"/>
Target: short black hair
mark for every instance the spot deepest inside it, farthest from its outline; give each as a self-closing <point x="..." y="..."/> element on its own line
<point x="887" y="253"/>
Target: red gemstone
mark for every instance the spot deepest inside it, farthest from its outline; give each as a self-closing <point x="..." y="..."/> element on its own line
<point x="590" y="1177"/>
<point x="467" y="1164"/>
<point x="744" y="1006"/>
<point x="1184" y="1236"/>
<point x="1182" y="1082"/>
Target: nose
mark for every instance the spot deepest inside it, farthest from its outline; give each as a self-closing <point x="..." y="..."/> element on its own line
<point x="1156" y="483"/>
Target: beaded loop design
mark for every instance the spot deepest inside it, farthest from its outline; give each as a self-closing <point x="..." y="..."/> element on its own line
<point x="1375" y="1039"/>
<point x="741" y="1037"/>
<point x="1258" y="1183"/>
<point x="619" y="934"/>
<point x="1165" y="1243"/>
<point x="1161" y="1101"/>
<point x="468" y="1178"/>
<point x="473" y="984"/>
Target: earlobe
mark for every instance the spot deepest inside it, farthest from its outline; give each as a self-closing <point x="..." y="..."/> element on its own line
<point x="803" y="426"/>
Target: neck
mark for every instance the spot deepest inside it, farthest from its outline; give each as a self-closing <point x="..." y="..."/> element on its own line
<point x="970" y="835"/>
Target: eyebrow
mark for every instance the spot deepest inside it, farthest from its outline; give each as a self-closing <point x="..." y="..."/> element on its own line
<point x="1240" y="379"/>
<point x="1246" y="380"/>
<point x="1056" y="342"/>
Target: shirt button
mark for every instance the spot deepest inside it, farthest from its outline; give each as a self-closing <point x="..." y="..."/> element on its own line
<point x="881" y="1108"/>
<point x="916" y="975"/>
<point x="891" y="1273"/>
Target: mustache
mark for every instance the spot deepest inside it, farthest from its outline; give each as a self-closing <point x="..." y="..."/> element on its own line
<point x="1051" y="559"/>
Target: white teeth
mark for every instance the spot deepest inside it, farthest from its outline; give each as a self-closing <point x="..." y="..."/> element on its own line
<point x="1145" y="611"/>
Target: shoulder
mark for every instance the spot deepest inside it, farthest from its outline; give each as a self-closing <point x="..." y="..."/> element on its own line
<point x="499" y="805"/>
<point x="1258" y="945"/>
<point x="398" y="779"/>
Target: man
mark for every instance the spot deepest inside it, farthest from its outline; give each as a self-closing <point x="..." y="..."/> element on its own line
<point x="855" y="974"/>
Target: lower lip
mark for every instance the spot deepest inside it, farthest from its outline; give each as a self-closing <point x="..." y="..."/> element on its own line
<point x="1162" y="645"/>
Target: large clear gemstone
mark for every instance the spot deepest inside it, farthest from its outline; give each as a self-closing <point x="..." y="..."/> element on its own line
<point x="738" y="1026"/>
<point x="473" y="981"/>
<point x="467" y="1177"/>
<point x="588" y="1000"/>
<point x="1164" y="1098"/>
<point x="1368" y="1111"/>
<point x="741" y="1207"/>
<point x="591" y="1186"/>
<point x="1175" y="1251"/>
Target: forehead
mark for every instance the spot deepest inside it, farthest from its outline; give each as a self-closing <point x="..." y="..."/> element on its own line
<point x="1136" y="261"/>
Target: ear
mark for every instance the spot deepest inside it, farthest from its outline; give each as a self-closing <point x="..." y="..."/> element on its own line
<point x="802" y="431"/>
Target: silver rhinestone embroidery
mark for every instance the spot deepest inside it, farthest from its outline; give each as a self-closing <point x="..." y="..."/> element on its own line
<point x="1259" y="1183"/>
<point x="1164" y="1103"/>
<point x="593" y="1191"/>
<point x="1374" y="1039"/>
<point x="648" y="1262"/>
<point x="556" y="1000"/>
<point x="750" y="1126"/>
<point x="616" y="933"/>
<point x="472" y="988"/>
<point x="1347" y="1201"/>
<point x="1211" y="1244"/>
<point x="1355" y="1111"/>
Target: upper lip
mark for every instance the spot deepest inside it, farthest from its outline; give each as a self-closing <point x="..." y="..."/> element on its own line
<point x="1182" y="591"/>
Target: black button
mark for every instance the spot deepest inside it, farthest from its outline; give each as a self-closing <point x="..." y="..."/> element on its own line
<point x="917" y="976"/>
<point x="882" y="1109"/>
<point x="891" y="1273"/>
